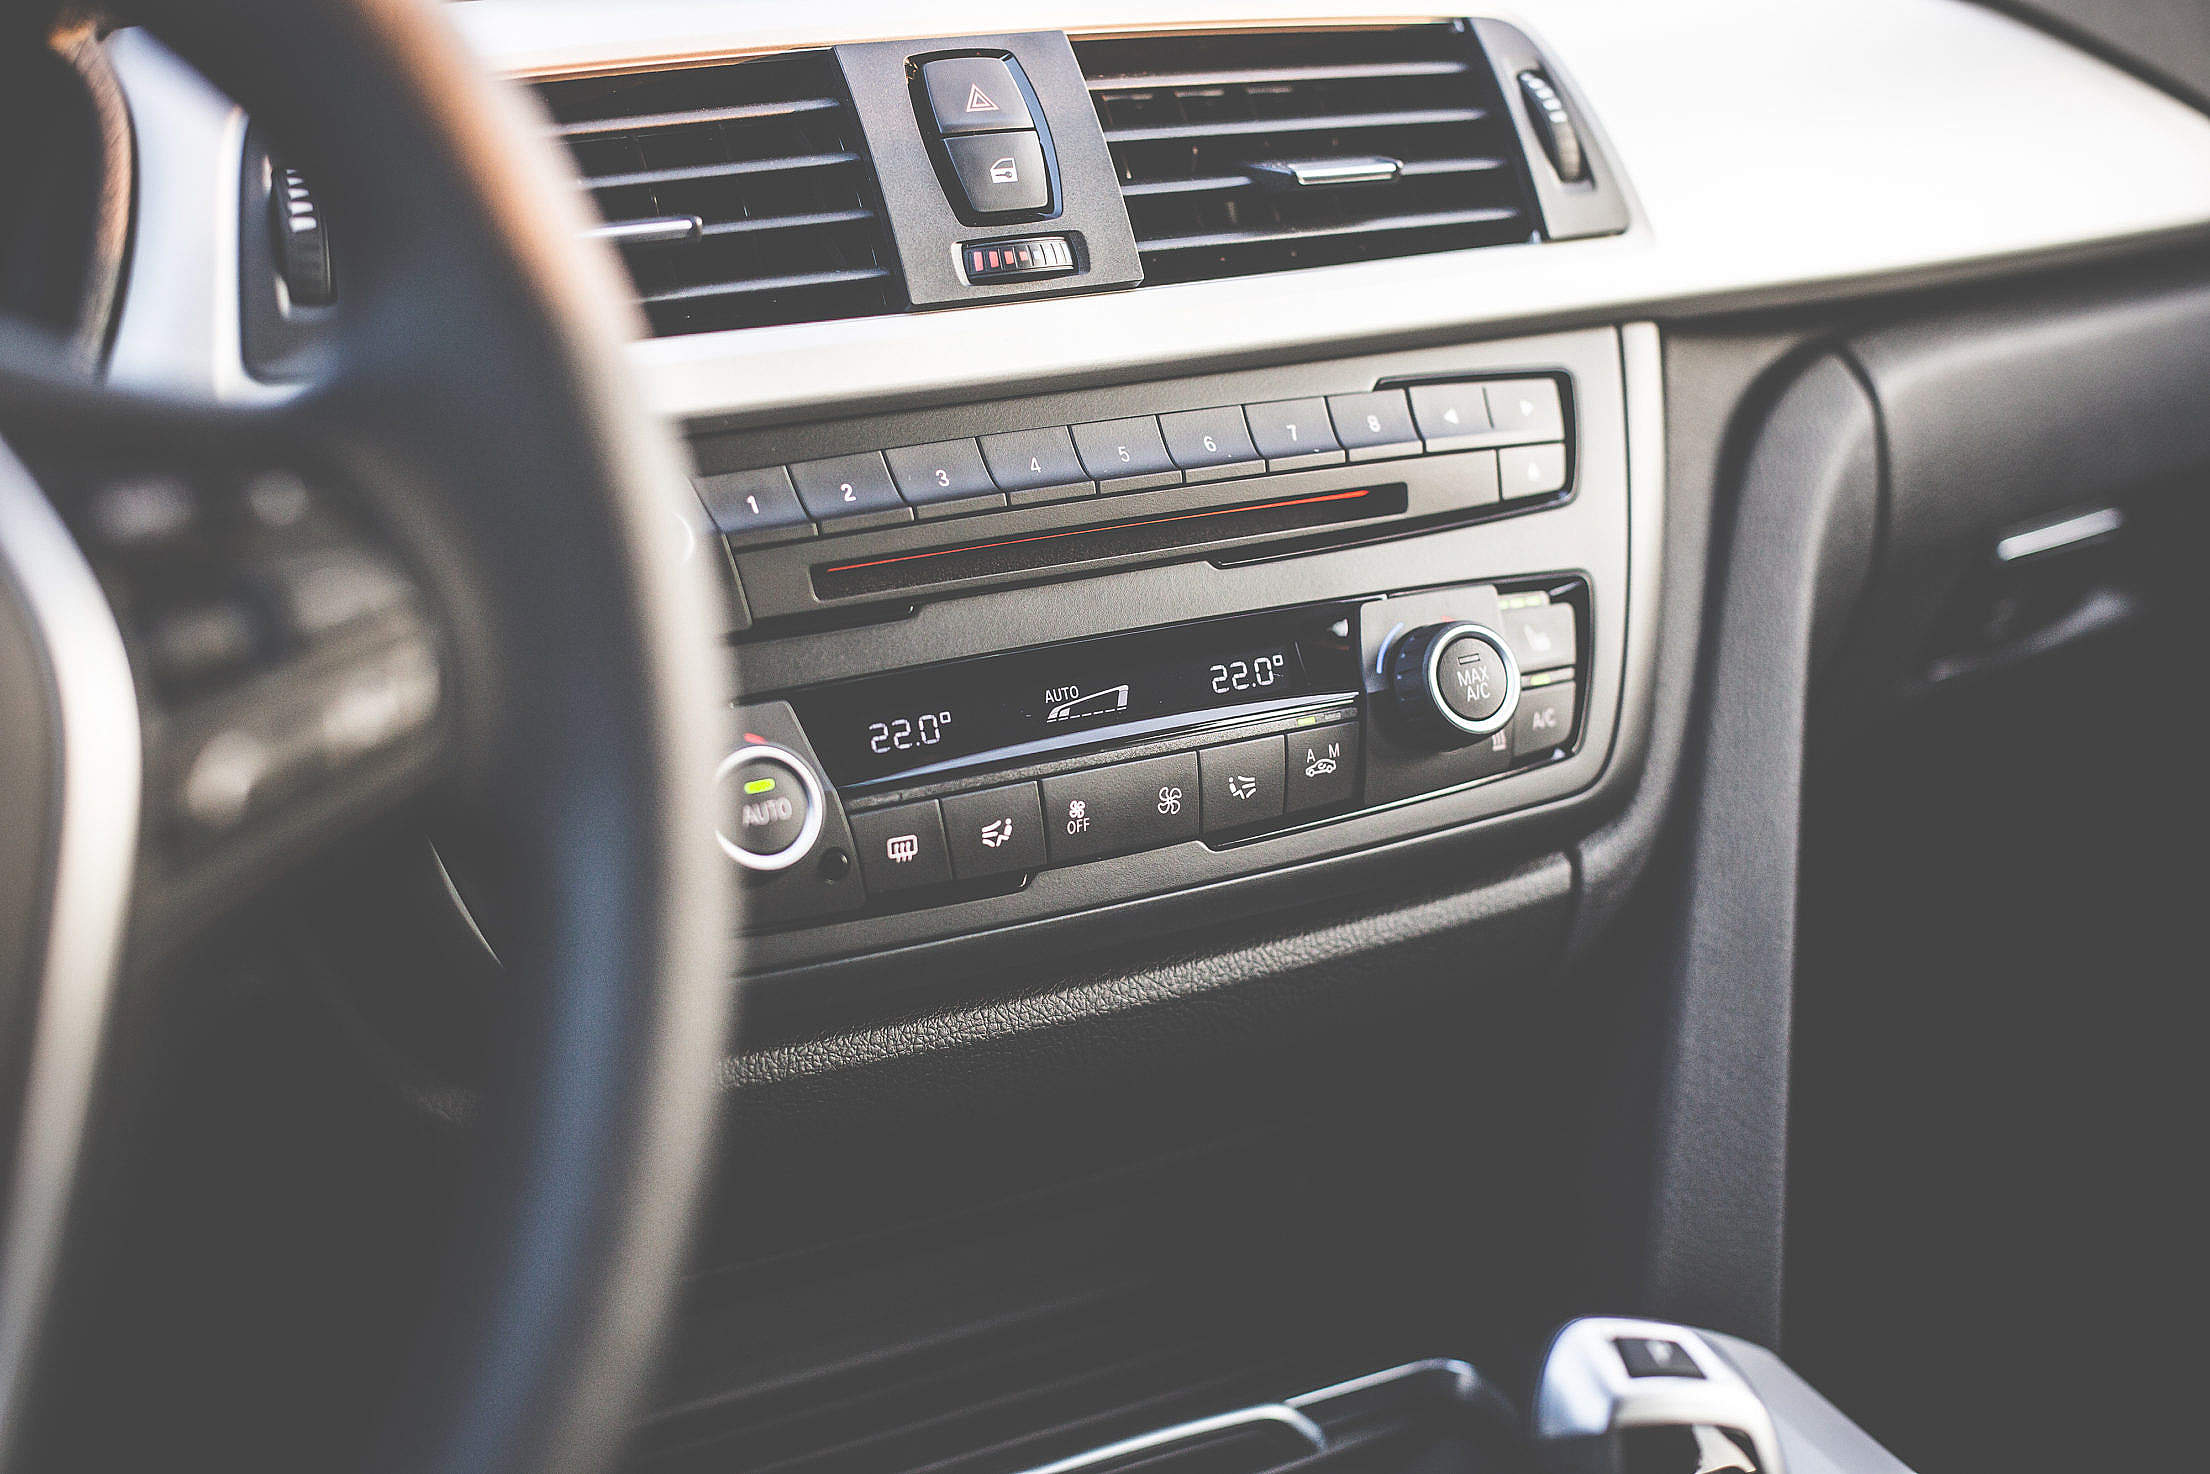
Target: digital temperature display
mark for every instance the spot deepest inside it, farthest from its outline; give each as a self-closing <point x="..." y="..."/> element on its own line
<point x="1034" y="703"/>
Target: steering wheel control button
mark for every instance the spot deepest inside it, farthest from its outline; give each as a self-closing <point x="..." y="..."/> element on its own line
<point x="1526" y="408"/>
<point x="1323" y="768"/>
<point x="1036" y="465"/>
<point x="1541" y="636"/>
<point x="1129" y="806"/>
<point x="1652" y="1356"/>
<point x="902" y="848"/>
<point x="1030" y="258"/>
<point x="851" y="490"/>
<point x="973" y="94"/>
<point x="771" y="807"/>
<point x="1451" y="416"/>
<point x="999" y="831"/>
<point x="1000" y="173"/>
<point x="1454" y="682"/>
<point x="947" y="471"/>
<point x="1211" y="444"/>
<point x="1374" y="427"/>
<point x="1243" y="784"/>
<point x="755" y="508"/>
<point x="1530" y="470"/>
<point x="1293" y="434"/>
<point x="1544" y="721"/>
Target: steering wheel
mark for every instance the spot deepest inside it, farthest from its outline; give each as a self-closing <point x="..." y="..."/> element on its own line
<point x="471" y="564"/>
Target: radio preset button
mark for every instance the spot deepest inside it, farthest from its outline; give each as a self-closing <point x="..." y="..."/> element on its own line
<point x="1117" y="450"/>
<point x="1211" y="444"/>
<point x="754" y="506"/>
<point x="847" y="486"/>
<point x="903" y="847"/>
<point x="1374" y="426"/>
<point x="998" y="831"/>
<point x="1129" y="806"/>
<point x="1323" y="767"/>
<point x="1028" y="460"/>
<point x="945" y="471"/>
<point x="1293" y="433"/>
<point x="1242" y="783"/>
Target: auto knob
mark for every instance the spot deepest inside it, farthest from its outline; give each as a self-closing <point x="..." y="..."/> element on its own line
<point x="1453" y="683"/>
<point x="771" y="807"/>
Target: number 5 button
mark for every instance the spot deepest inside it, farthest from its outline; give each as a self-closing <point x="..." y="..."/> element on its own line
<point x="853" y="491"/>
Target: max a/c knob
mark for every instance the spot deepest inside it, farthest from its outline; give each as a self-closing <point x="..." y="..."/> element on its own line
<point x="1453" y="683"/>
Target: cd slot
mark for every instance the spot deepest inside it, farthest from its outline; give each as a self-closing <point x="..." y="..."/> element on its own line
<point x="998" y="557"/>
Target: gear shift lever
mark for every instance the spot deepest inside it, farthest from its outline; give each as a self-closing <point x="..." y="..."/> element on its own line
<point x="1611" y="1387"/>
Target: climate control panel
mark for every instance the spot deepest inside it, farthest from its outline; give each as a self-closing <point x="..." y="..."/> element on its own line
<point x="948" y="784"/>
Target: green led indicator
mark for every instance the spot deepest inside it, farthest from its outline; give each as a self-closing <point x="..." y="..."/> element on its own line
<point x="760" y="785"/>
<point x="1308" y="721"/>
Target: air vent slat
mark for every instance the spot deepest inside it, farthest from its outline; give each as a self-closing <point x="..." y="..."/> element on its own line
<point x="592" y="127"/>
<point x="1383" y="225"/>
<point x="739" y="195"/>
<point x="767" y="284"/>
<point x="1338" y="123"/>
<point x="1245" y="151"/>
<point x="1266" y="76"/>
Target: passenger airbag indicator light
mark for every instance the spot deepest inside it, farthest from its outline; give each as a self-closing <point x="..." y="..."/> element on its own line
<point x="1025" y="259"/>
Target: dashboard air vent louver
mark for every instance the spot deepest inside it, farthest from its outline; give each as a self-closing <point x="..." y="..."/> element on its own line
<point x="1251" y="151"/>
<point x="739" y="195"/>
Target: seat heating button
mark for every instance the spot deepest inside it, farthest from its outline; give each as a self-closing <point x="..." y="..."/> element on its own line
<point x="1541" y="636"/>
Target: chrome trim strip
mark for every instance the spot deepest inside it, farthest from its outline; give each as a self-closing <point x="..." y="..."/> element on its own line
<point x="1270" y="1412"/>
<point x="2071" y="532"/>
<point x="180" y="330"/>
<point x="1462" y="1373"/>
<point x="95" y="856"/>
<point x="656" y="230"/>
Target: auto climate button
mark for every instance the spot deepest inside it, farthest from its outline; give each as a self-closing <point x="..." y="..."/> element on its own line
<point x="771" y="807"/>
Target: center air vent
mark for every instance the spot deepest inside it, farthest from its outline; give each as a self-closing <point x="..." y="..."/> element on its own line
<point x="1250" y="151"/>
<point x="739" y="195"/>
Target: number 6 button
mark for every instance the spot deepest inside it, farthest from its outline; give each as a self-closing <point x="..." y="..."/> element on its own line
<point x="1211" y="444"/>
<point x="853" y="491"/>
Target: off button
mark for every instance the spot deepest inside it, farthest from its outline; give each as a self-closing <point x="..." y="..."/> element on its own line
<point x="1129" y="806"/>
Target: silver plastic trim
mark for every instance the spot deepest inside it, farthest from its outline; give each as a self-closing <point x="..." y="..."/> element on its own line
<point x="1586" y="1391"/>
<point x="658" y="230"/>
<point x="808" y="832"/>
<point x="181" y="329"/>
<point x="1462" y="1373"/>
<point x="1247" y="1417"/>
<point x="2068" y="533"/>
<point x="94" y="860"/>
<point x="1322" y="173"/>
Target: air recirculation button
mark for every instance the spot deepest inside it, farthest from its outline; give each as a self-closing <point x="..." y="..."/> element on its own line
<point x="1453" y="683"/>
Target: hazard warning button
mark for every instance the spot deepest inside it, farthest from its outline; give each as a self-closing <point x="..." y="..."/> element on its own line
<point x="974" y="94"/>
